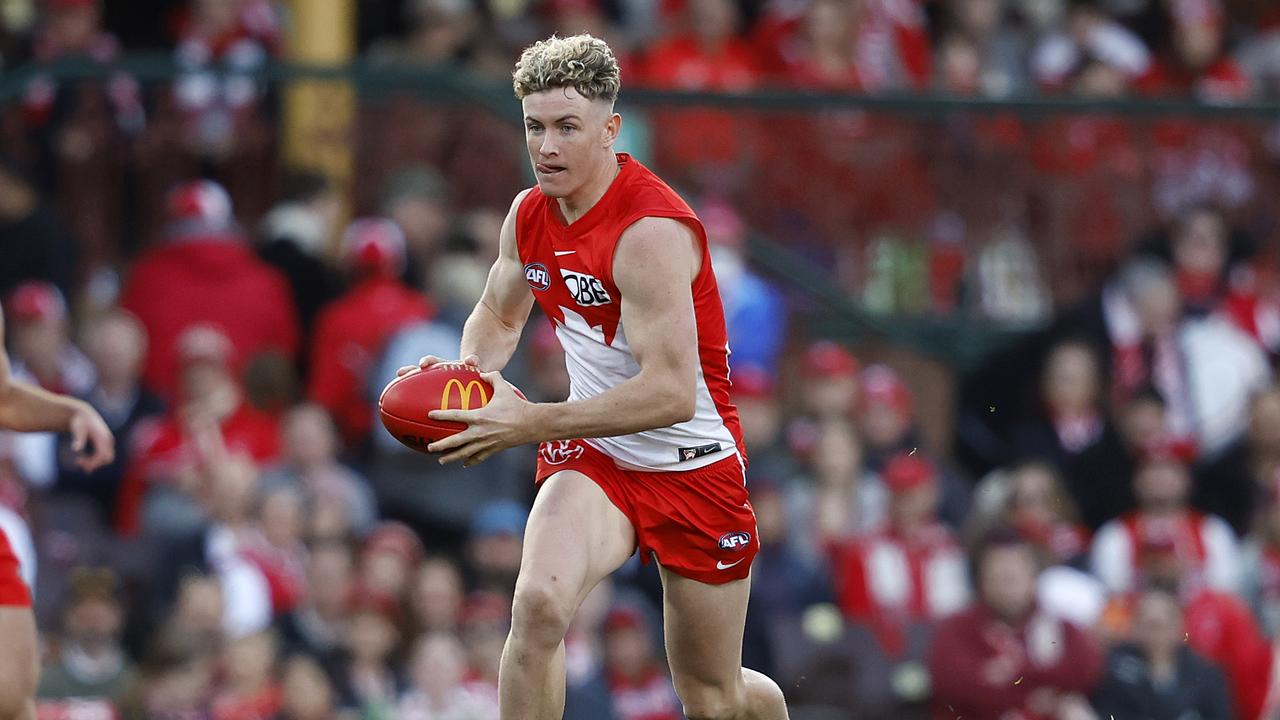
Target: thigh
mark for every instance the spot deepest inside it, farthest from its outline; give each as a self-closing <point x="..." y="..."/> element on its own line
<point x="574" y="539"/>
<point x="19" y="664"/>
<point x="704" y="625"/>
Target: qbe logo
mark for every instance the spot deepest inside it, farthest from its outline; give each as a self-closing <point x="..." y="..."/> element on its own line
<point x="587" y="290"/>
<point x="537" y="275"/>
<point x="735" y="541"/>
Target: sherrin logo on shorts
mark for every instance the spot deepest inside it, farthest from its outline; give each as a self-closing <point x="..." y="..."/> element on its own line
<point x="735" y="541"/>
<point x="537" y="275"/>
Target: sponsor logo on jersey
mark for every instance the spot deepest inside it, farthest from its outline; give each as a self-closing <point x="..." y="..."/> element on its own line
<point x="735" y="541"/>
<point x="559" y="452"/>
<point x="587" y="290"/>
<point x="464" y="393"/>
<point x="537" y="275"/>
<point x="693" y="453"/>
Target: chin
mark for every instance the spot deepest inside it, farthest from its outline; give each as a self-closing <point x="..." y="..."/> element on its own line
<point x="553" y="187"/>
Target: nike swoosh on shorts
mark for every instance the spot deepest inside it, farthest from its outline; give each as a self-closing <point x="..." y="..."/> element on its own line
<point x="564" y="252"/>
<point x="722" y="566"/>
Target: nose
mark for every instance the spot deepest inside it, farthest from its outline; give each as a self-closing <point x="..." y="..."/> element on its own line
<point x="548" y="148"/>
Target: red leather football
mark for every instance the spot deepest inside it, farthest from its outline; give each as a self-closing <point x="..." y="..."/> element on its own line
<point x="406" y="400"/>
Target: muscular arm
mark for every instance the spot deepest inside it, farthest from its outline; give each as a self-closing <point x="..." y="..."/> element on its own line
<point x="26" y="408"/>
<point x="493" y="329"/>
<point x="654" y="266"/>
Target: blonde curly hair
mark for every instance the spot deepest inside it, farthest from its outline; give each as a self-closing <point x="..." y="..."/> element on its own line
<point x="582" y="62"/>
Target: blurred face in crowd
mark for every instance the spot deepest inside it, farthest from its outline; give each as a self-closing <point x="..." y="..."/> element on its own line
<point x="231" y="491"/>
<point x="761" y="419"/>
<point x="497" y="556"/>
<point x="1035" y="496"/>
<point x="771" y="516"/>
<point x="911" y="508"/>
<point x="837" y="455"/>
<point x="309" y="437"/>
<point x="371" y="637"/>
<point x="569" y="137"/>
<point x="1162" y="486"/>
<point x="327" y="518"/>
<point x="441" y="29"/>
<point x="827" y="25"/>
<point x="1100" y="80"/>
<point x="977" y="18"/>
<point x="199" y="607"/>
<point x="1071" y="385"/>
<point x="384" y="572"/>
<point x="180" y="690"/>
<point x="73" y="27"/>
<point x="713" y="21"/>
<point x="1200" y="243"/>
<point x="307" y="692"/>
<point x="249" y="661"/>
<point x="281" y="517"/>
<point x="1264" y="421"/>
<point x="206" y="381"/>
<point x="438" y="664"/>
<point x="117" y="344"/>
<point x="884" y="425"/>
<point x="39" y="342"/>
<point x="961" y="65"/>
<point x="94" y="625"/>
<point x="1142" y="422"/>
<point x="830" y="396"/>
<point x="1198" y="43"/>
<point x="628" y="651"/>
<point x="1008" y="580"/>
<point x="425" y="222"/>
<point x="215" y="17"/>
<point x="1157" y="624"/>
<point x="329" y="576"/>
<point x="437" y="594"/>
<point x="1157" y="304"/>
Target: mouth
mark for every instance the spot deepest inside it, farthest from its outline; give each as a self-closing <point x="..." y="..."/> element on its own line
<point x="548" y="169"/>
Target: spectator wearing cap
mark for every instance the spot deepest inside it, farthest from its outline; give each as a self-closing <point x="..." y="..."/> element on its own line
<point x="886" y="422"/>
<point x="1157" y="674"/>
<point x="352" y="331"/>
<point x="909" y="572"/>
<point x="437" y="668"/>
<point x="754" y="393"/>
<point x="495" y="545"/>
<point x="1005" y="656"/>
<point x="1205" y="544"/>
<point x="204" y="272"/>
<point x="33" y="241"/>
<point x="310" y="465"/>
<point x="316" y="626"/>
<point x="212" y="422"/>
<point x="637" y="680"/>
<point x="367" y="680"/>
<point x="91" y="669"/>
<point x="387" y="560"/>
<point x="830" y="388"/>
<point x="754" y="312"/>
<point x="847" y="500"/>
<point x="295" y="238"/>
<point x="116" y="344"/>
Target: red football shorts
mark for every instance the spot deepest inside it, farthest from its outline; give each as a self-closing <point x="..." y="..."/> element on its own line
<point x="13" y="591"/>
<point x="698" y="523"/>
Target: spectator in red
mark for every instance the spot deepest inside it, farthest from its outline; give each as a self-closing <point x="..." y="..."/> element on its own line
<point x="830" y="385"/>
<point x="366" y="679"/>
<point x="276" y="547"/>
<point x="212" y="421"/>
<point x="1005" y="657"/>
<point x="204" y="272"/>
<point x="1205" y="544"/>
<point x="1198" y="64"/>
<point x="250" y="690"/>
<point x="912" y="571"/>
<point x="637" y="680"/>
<point x="353" y="330"/>
<point x="1040" y="509"/>
<point x="818" y="51"/>
<point x="40" y="334"/>
<point x="387" y="560"/>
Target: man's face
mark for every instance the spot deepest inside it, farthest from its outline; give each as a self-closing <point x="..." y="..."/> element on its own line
<point x="1162" y="486"/>
<point x="569" y="137"/>
<point x="1008" y="580"/>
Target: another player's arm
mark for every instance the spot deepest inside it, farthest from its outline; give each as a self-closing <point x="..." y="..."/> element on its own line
<point x="493" y="329"/>
<point x="26" y="408"/>
<point x="654" y="266"/>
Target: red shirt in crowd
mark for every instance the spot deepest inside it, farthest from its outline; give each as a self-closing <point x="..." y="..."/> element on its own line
<point x="350" y="334"/>
<point x="215" y="280"/>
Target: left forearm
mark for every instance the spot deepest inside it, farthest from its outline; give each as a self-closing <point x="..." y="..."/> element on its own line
<point x="644" y="402"/>
<point x="26" y="408"/>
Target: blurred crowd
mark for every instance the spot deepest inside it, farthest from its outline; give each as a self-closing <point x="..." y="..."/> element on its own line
<point x="1085" y="524"/>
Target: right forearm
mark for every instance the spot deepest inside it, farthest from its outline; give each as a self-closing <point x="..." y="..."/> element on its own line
<point x="492" y="340"/>
<point x="26" y="408"/>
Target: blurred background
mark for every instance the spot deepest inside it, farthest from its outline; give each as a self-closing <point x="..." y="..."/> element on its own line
<point x="1002" y="280"/>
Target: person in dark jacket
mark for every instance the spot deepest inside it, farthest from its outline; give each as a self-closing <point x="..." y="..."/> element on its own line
<point x="1158" y="676"/>
<point x="33" y="242"/>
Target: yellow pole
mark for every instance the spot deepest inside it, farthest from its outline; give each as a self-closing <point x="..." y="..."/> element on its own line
<point x="320" y="115"/>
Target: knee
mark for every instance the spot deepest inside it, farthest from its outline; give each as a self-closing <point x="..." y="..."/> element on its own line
<point x="703" y="701"/>
<point x="539" y="615"/>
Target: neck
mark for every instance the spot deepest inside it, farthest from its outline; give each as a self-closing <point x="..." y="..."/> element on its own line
<point x="577" y="204"/>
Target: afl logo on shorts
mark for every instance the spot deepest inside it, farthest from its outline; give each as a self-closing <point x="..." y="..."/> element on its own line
<point x="735" y="541"/>
<point x="537" y="275"/>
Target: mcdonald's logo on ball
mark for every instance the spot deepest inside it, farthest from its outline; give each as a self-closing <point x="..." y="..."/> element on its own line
<point x="408" y="400"/>
<point x="464" y="394"/>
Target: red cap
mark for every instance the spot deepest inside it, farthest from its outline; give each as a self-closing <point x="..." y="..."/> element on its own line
<point x="624" y="617"/>
<point x="199" y="208"/>
<point x="205" y="343"/>
<point x="881" y="384"/>
<point x="37" y="301"/>
<point x="905" y="472"/>
<point x="374" y="244"/>
<point x="751" y="381"/>
<point x="395" y="538"/>
<point x="829" y="359"/>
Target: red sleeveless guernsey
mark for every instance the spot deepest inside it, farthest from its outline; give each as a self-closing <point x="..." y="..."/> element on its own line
<point x="570" y="270"/>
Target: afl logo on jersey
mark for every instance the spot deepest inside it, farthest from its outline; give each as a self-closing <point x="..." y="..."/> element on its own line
<point x="537" y="275"/>
<point x="587" y="290"/>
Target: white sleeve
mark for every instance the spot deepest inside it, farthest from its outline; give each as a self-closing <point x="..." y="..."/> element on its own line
<point x="1111" y="557"/>
<point x="1222" y="555"/>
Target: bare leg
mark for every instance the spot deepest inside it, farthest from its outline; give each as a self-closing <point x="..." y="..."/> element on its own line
<point x="704" y="625"/>
<point x="19" y="663"/>
<point x="575" y="538"/>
